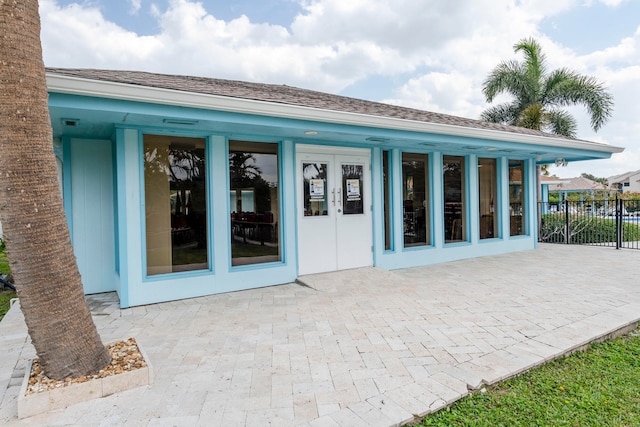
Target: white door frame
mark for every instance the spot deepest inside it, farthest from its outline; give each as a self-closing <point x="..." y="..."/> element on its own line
<point x="332" y="240"/>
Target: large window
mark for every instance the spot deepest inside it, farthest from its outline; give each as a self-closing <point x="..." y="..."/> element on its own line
<point x="487" y="192"/>
<point x="453" y="184"/>
<point x="415" y="194"/>
<point x="175" y="186"/>
<point x="254" y="202"/>
<point x="516" y="197"/>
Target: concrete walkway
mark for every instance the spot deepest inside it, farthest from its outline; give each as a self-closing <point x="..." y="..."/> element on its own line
<point x="364" y="347"/>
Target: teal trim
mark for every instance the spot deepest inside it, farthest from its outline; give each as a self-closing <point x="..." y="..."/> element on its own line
<point x="292" y="216"/>
<point x="283" y="220"/>
<point x="116" y="218"/>
<point x="532" y="221"/>
<point x="438" y="200"/>
<point x="397" y="218"/>
<point x="66" y="182"/>
<point x="221" y="228"/>
<point x="143" y="205"/>
<point x="377" y="203"/>
<point x="473" y="200"/>
<point x="504" y="199"/>
<point x="210" y="206"/>
<point x="121" y="225"/>
<point x="499" y="202"/>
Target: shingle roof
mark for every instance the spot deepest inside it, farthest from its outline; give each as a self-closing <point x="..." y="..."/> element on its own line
<point x="284" y="95"/>
<point x="622" y="177"/>
<point x="578" y="184"/>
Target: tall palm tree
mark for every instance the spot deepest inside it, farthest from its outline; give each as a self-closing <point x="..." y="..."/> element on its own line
<point x="33" y="219"/>
<point x="539" y="95"/>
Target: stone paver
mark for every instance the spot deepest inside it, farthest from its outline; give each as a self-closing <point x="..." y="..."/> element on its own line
<point x="359" y="347"/>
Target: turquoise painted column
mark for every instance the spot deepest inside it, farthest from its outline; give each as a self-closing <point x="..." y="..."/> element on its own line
<point x="437" y="199"/>
<point x="473" y="211"/>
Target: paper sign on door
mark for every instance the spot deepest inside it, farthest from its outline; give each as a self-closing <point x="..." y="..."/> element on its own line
<point x="353" y="189"/>
<point x="316" y="189"/>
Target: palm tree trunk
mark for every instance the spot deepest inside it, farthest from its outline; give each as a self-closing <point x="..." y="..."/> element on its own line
<point x="33" y="219"/>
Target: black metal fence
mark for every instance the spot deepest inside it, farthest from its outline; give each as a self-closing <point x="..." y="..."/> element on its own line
<point x="614" y="222"/>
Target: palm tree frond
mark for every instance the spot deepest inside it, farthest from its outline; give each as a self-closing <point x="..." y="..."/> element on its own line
<point x="507" y="77"/>
<point x="502" y="113"/>
<point x="536" y="93"/>
<point x="561" y="123"/>
<point x="569" y="88"/>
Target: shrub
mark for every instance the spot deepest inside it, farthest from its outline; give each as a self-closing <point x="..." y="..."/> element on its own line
<point x="584" y="229"/>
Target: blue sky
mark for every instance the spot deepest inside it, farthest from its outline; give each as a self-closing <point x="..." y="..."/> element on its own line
<point x="428" y="54"/>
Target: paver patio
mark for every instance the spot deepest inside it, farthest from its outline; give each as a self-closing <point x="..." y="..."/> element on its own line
<point x="365" y="347"/>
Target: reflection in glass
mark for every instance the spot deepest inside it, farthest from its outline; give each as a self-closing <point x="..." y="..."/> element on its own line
<point x="415" y="195"/>
<point x="175" y="204"/>
<point x="387" y="199"/>
<point x="254" y="202"/>
<point x="314" y="176"/>
<point x="453" y="182"/>
<point x="487" y="191"/>
<point x="352" y="180"/>
<point x="516" y="197"/>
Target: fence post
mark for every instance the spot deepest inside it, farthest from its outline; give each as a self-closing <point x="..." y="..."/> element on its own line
<point x="567" y="238"/>
<point x="618" y="222"/>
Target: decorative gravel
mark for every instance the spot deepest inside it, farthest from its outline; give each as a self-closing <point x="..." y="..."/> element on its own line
<point x="125" y="356"/>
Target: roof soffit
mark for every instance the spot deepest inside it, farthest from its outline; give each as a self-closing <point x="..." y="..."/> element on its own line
<point x="132" y="92"/>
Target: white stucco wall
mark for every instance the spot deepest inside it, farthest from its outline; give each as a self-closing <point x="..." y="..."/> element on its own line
<point x="634" y="184"/>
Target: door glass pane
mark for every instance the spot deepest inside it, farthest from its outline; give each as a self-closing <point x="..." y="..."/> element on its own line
<point x="314" y="177"/>
<point x="487" y="191"/>
<point x="254" y="202"/>
<point x="453" y="182"/>
<point x="516" y="197"/>
<point x="352" y="181"/>
<point x="175" y="194"/>
<point x="415" y="196"/>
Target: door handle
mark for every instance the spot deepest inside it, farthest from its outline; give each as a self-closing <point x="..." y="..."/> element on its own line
<point x="339" y="197"/>
<point x="333" y="196"/>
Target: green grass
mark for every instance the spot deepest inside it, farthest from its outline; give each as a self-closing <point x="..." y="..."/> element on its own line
<point x="239" y="250"/>
<point x="597" y="387"/>
<point x="5" y="295"/>
<point x="4" y="261"/>
<point x="5" y="298"/>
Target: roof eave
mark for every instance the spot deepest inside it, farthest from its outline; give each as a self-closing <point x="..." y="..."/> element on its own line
<point x="130" y="92"/>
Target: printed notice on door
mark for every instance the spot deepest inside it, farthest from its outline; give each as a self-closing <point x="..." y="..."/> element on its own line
<point x="353" y="189"/>
<point x="316" y="189"/>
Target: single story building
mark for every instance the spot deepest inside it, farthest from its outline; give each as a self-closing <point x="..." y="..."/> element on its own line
<point x="176" y="187"/>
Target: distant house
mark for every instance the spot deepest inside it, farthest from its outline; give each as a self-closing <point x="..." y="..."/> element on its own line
<point x="577" y="185"/>
<point x="626" y="182"/>
<point x="178" y="186"/>
<point x="564" y="186"/>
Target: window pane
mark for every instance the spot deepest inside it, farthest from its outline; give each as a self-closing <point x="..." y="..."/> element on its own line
<point x="453" y="182"/>
<point x="516" y="197"/>
<point x="175" y="204"/>
<point x="387" y="200"/>
<point x="415" y="195"/>
<point x="352" y="180"/>
<point x="254" y="202"/>
<point x="314" y="177"/>
<point x="487" y="191"/>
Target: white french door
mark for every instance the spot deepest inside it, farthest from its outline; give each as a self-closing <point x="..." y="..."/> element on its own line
<point x="334" y="210"/>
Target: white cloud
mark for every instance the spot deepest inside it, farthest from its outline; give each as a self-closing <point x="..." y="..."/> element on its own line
<point x="79" y="36"/>
<point x="437" y="52"/>
<point x="453" y="93"/>
<point x="135" y="6"/>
